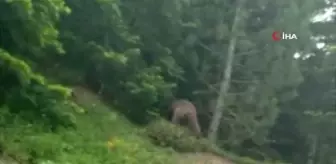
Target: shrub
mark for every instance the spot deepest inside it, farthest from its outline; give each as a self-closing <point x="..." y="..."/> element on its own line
<point x="28" y="95"/>
<point x="181" y="139"/>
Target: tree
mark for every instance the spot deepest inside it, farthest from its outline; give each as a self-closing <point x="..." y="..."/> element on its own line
<point x="225" y="84"/>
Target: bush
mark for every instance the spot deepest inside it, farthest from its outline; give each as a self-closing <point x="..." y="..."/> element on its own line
<point x="27" y="94"/>
<point x="166" y="134"/>
<point x="181" y="139"/>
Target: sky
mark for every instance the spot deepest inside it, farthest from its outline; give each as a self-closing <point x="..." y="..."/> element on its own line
<point x="326" y="16"/>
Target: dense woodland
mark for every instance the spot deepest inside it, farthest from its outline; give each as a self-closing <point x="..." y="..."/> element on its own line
<point x="255" y="97"/>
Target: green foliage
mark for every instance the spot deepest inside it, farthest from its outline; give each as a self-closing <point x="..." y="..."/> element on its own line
<point x="107" y="62"/>
<point x="101" y="136"/>
<point x="63" y="92"/>
<point x="27" y="95"/>
<point x="16" y="71"/>
<point x="35" y="20"/>
<point x="167" y="134"/>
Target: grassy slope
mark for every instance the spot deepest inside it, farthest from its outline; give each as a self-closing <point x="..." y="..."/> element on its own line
<point x="102" y="137"/>
<point x="88" y="144"/>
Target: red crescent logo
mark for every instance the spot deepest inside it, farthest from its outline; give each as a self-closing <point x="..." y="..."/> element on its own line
<point x="276" y="36"/>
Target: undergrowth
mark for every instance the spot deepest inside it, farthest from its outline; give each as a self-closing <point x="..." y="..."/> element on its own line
<point x="40" y="124"/>
<point x="165" y="134"/>
<point x="101" y="137"/>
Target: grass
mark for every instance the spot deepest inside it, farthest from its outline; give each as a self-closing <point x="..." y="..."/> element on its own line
<point x="102" y="137"/>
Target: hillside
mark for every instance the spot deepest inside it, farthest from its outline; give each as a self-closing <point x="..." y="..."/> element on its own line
<point x="102" y="136"/>
<point x="43" y="123"/>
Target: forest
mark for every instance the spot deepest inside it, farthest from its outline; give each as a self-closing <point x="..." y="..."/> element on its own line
<point x="92" y="81"/>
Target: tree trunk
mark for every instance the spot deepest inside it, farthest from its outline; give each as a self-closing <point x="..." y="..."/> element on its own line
<point x="312" y="150"/>
<point x="225" y="84"/>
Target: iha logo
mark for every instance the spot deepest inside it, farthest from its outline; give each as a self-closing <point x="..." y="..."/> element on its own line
<point x="277" y="36"/>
